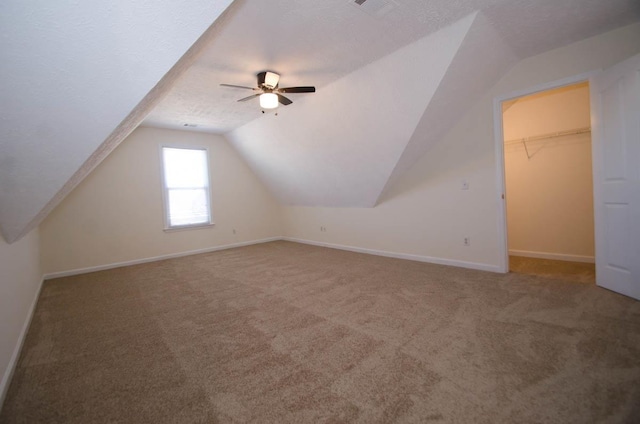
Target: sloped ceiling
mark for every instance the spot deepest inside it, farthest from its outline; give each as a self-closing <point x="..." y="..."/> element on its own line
<point x="461" y="86"/>
<point x="389" y="85"/>
<point x="343" y="153"/>
<point x="77" y="78"/>
<point x="70" y="74"/>
<point x="308" y="42"/>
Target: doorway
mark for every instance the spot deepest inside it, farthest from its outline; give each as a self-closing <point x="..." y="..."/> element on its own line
<point x="548" y="179"/>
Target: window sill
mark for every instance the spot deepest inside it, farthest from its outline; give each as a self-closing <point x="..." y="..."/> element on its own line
<point x="188" y="227"/>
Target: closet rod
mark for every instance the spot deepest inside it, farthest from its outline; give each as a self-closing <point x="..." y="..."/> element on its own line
<point x="549" y="135"/>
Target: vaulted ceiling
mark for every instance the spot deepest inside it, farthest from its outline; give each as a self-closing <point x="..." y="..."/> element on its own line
<point x="75" y="79"/>
<point x="392" y="77"/>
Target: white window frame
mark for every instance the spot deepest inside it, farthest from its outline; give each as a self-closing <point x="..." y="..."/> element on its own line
<point x="165" y="190"/>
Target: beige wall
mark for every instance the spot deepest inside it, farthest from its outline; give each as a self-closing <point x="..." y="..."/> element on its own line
<point x="20" y="278"/>
<point x="116" y="214"/>
<point x="427" y="214"/>
<point x="550" y="192"/>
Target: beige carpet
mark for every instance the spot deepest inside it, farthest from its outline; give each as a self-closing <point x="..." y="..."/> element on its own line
<point x="289" y="333"/>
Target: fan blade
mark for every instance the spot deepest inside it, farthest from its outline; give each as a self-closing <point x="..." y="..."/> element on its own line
<point x="297" y="90"/>
<point x="239" y="86"/>
<point x="283" y="100"/>
<point x="244" y="99"/>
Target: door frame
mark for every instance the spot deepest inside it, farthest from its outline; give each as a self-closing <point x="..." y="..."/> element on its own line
<point x="503" y="243"/>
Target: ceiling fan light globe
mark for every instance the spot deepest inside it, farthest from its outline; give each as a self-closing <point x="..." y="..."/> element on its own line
<point x="268" y="101"/>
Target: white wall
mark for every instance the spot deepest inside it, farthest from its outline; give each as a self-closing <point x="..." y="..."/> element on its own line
<point x="426" y="214"/>
<point x="550" y="192"/>
<point x="116" y="214"/>
<point x="20" y="281"/>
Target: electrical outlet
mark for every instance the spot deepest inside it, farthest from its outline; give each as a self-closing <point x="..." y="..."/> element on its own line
<point x="323" y="229"/>
<point x="467" y="241"/>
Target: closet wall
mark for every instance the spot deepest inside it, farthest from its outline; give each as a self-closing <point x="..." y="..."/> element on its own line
<point x="549" y="185"/>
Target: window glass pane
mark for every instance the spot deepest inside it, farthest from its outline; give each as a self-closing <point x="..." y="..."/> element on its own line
<point x="188" y="206"/>
<point x="186" y="179"/>
<point x="185" y="168"/>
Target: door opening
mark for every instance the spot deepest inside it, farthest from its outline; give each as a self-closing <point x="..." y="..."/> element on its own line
<point x="549" y="183"/>
<point x="615" y="113"/>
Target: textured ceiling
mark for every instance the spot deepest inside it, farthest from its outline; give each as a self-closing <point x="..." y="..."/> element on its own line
<point x="72" y="74"/>
<point x="314" y="43"/>
<point x="308" y="42"/>
<point x="384" y="96"/>
<point x="533" y="27"/>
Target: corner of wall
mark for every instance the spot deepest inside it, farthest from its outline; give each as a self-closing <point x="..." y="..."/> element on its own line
<point x="19" y="291"/>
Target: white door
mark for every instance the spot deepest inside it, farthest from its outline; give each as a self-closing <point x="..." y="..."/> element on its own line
<point x="615" y="120"/>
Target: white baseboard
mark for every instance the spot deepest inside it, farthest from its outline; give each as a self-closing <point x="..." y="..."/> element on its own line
<point x="13" y="362"/>
<point x="408" y="256"/>
<point x="554" y="256"/>
<point x="411" y="257"/>
<point x="155" y="258"/>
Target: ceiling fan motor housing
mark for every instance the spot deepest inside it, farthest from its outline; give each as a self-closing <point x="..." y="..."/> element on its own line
<point x="268" y="80"/>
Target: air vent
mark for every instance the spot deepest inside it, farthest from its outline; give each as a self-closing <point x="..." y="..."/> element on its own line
<point x="374" y="7"/>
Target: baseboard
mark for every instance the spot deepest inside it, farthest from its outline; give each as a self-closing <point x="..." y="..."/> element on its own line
<point x="155" y="258"/>
<point x="13" y="362"/>
<point x="408" y="256"/>
<point x="554" y="256"/>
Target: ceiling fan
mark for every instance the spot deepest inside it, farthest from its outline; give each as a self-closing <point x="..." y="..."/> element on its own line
<point x="269" y="92"/>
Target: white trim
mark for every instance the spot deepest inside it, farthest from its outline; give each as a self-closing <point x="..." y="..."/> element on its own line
<point x="188" y="227"/>
<point x="548" y="86"/>
<point x="155" y="258"/>
<point x="408" y="256"/>
<point x="501" y="186"/>
<point x="499" y="153"/>
<point x="554" y="256"/>
<point x="13" y="362"/>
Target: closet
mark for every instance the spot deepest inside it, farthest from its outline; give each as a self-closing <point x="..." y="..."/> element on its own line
<point x="548" y="175"/>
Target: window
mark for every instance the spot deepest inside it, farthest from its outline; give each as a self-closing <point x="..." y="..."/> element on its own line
<point x="186" y="187"/>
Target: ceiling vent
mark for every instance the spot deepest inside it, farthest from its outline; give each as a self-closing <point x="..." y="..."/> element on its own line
<point x="374" y="7"/>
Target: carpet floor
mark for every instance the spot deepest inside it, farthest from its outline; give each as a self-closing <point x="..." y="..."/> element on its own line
<point x="289" y="333"/>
